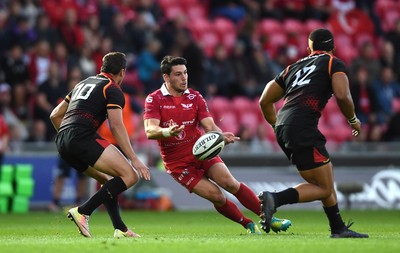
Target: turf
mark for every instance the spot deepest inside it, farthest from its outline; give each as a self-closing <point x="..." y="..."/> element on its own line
<point x="196" y="231"/>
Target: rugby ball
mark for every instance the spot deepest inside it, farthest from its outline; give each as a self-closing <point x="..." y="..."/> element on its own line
<point x="208" y="145"/>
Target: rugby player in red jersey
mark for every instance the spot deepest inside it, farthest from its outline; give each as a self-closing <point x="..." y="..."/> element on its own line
<point x="77" y="119"/>
<point x="172" y="116"/>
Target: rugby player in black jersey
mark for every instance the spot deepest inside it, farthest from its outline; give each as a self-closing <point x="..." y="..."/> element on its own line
<point x="76" y="120"/>
<point x="306" y="87"/>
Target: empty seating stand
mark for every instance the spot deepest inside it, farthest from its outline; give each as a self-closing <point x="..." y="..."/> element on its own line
<point x="16" y="187"/>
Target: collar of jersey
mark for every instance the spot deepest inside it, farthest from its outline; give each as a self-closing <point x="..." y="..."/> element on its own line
<point x="319" y="52"/>
<point x="106" y="75"/>
<point x="165" y="92"/>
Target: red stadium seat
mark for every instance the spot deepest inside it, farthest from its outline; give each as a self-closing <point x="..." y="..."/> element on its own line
<point x="293" y="26"/>
<point x="173" y="11"/>
<point x="217" y="105"/>
<point x="396" y="105"/>
<point x="200" y="26"/>
<point x="269" y="26"/>
<point x="229" y="122"/>
<point x="347" y="54"/>
<point x="312" y="24"/>
<point x="196" y="11"/>
<point x="223" y="25"/>
<point x="226" y="31"/>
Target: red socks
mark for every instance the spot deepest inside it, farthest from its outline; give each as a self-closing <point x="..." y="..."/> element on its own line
<point x="231" y="211"/>
<point x="248" y="199"/>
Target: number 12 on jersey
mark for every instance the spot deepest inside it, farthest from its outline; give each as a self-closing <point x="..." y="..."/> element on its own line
<point x="302" y="74"/>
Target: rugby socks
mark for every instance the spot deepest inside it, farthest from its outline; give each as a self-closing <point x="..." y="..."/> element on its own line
<point x="113" y="211"/>
<point x="248" y="199"/>
<point x="335" y="220"/>
<point x="288" y="196"/>
<point x="231" y="211"/>
<point x="107" y="192"/>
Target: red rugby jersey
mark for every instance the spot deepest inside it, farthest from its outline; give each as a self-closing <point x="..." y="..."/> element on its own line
<point x="188" y="110"/>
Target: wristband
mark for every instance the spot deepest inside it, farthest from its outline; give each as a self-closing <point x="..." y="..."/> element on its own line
<point x="166" y="132"/>
<point x="352" y="120"/>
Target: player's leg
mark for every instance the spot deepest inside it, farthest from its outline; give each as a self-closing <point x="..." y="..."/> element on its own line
<point x="208" y="190"/>
<point x="113" y="163"/>
<point x="109" y="161"/>
<point x="112" y="206"/>
<point x="323" y="177"/>
<point x="220" y="174"/>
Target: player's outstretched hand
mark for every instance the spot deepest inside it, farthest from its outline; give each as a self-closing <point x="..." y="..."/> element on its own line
<point x="229" y="137"/>
<point x="175" y="130"/>
<point x="142" y="169"/>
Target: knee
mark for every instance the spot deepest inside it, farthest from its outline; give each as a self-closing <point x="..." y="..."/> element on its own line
<point x="326" y="192"/>
<point x="230" y="185"/>
<point x="217" y="198"/>
<point x="130" y="179"/>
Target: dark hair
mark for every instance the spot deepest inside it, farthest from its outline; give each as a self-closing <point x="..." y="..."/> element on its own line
<point x="322" y="39"/>
<point x="113" y="62"/>
<point x="169" y="61"/>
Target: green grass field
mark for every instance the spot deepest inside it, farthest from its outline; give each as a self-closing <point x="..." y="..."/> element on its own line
<point x="197" y="231"/>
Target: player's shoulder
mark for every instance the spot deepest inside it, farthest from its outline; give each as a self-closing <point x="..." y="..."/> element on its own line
<point x="155" y="95"/>
<point x="191" y="93"/>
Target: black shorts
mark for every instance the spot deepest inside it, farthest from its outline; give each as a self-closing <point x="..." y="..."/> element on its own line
<point x="305" y="147"/>
<point x="80" y="149"/>
<point x="65" y="169"/>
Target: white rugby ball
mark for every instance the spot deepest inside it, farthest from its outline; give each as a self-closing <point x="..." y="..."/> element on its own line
<point x="208" y="145"/>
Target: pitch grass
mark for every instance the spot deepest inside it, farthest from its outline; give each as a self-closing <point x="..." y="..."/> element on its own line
<point x="196" y="231"/>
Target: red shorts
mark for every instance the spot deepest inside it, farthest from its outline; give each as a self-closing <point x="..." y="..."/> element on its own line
<point x="189" y="174"/>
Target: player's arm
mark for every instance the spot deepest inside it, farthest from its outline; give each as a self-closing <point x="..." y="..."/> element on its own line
<point x="272" y="93"/>
<point x="154" y="131"/>
<point x="208" y="125"/>
<point x="341" y="90"/>
<point x="120" y="134"/>
<point x="58" y="113"/>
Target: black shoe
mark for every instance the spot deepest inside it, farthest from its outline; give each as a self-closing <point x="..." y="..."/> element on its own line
<point x="348" y="233"/>
<point x="267" y="210"/>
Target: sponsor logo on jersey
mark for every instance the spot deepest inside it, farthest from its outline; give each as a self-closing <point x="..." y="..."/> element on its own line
<point x="191" y="96"/>
<point x="187" y="106"/>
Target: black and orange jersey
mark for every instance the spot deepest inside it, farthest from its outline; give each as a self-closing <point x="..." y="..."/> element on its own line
<point x="89" y="101"/>
<point x="308" y="87"/>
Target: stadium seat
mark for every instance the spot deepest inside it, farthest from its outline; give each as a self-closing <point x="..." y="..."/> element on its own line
<point x="276" y="41"/>
<point x="312" y="24"/>
<point x="208" y="41"/>
<point x="200" y="26"/>
<point x="228" y="122"/>
<point x="226" y="31"/>
<point x="346" y="53"/>
<point x="269" y="26"/>
<point x="241" y="103"/>
<point x="172" y="11"/>
<point x="196" y="11"/>
<point x="167" y="3"/>
<point x="396" y="105"/>
<point x="293" y="26"/>
<point x="217" y="105"/>
<point x="223" y="25"/>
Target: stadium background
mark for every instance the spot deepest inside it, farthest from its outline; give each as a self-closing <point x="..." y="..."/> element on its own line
<point x="233" y="48"/>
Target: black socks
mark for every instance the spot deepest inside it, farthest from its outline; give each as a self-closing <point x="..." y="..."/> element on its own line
<point x="335" y="220"/>
<point x="288" y="196"/>
<point x="107" y="193"/>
